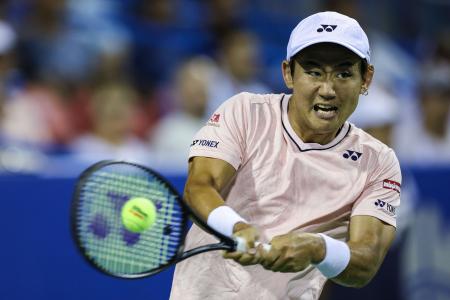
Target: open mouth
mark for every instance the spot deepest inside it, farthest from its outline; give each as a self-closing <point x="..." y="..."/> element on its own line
<point x="325" y="107"/>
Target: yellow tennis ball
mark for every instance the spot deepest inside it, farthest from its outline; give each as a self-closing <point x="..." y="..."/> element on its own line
<point x="138" y="214"/>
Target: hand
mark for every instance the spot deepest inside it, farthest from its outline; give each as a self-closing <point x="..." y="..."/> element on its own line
<point x="292" y="252"/>
<point x="250" y="234"/>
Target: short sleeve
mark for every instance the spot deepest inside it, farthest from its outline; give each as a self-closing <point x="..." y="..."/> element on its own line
<point x="223" y="135"/>
<point x="381" y="195"/>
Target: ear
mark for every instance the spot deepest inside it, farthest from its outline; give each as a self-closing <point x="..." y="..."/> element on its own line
<point x="287" y="75"/>
<point x="367" y="79"/>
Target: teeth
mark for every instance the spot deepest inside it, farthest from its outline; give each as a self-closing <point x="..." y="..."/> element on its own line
<point x="324" y="107"/>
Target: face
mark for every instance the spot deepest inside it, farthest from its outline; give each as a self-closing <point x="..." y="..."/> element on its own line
<point x="326" y="83"/>
<point x="113" y="109"/>
<point x="241" y="56"/>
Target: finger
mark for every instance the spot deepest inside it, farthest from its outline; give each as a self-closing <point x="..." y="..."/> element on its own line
<point x="268" y="258"/>
<point x="254" y="249"/>
<point x="232" y="255"/>
<point x="263" y="247"/>
<point x="247" y="260"/>
<point x="263" y="251"/>
<point x="267" y="264"/>
<point x="280" y="264"/>
<point x="291" y="268"/>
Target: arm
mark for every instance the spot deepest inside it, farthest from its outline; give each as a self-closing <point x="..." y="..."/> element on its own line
<point x="369" y="241"/>
<point x="207" y="179"/>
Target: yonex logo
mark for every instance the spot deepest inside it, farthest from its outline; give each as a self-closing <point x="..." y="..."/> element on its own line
<point x="205" y="143"/>
<point x="352" y="154"/>
<point x="386" y="207"/>
<point x="327" y="28"/>
<point x="380" y="203"/>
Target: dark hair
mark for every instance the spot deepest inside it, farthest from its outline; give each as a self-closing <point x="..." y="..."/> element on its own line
<point x="364" y="66"/>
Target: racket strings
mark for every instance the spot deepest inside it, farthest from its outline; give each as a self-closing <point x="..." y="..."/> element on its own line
<point x="99" y="226"/>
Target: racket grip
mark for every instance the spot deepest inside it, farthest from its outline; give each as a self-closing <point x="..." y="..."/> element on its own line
<point x="241" y="245"/>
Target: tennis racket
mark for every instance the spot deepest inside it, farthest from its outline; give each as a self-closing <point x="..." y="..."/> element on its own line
<point x="102" y="190"/>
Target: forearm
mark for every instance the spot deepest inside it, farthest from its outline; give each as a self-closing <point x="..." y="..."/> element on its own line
<point x="206" y="180"/>
<point x="364" y="262"/>
<point x="202" y="198"/>
<point x="363" y="254"/>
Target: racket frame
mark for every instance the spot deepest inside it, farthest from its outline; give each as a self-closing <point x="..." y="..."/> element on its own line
<point x="226" y="243"/>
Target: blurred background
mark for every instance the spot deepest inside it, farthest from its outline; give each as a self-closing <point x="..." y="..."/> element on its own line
<point x="85" y="80"/>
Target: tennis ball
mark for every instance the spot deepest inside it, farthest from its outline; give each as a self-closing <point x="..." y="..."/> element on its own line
<point x="138" y="214"/>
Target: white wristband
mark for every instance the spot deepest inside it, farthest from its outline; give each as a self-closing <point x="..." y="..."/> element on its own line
<point x="337" y="257"/>
<point x="223" y="219"/>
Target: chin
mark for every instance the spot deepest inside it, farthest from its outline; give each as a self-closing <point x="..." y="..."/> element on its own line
<point x="326" y="127"/>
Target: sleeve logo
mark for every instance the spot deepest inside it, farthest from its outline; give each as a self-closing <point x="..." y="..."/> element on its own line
<point x="391" y="185"/>
<point x="205" y="143"/>
<point x="214" y="120"/>
<point x="385" y="207"/>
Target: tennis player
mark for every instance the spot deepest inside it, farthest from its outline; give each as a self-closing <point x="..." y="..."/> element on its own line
<point x="289" y="170"/>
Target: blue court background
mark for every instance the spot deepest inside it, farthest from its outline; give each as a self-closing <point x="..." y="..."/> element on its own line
<point x="40" y="261"/>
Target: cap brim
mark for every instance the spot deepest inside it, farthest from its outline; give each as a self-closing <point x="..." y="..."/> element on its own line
<point x="317" y="41"/>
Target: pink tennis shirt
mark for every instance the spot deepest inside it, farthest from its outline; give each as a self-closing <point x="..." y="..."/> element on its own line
<point x="282" y="185"/>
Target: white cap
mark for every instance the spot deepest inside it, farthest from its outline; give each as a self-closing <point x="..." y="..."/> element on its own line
<point x="329" y="27"/>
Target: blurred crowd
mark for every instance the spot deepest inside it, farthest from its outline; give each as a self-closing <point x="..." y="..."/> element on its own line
<point x="135" y="79"/>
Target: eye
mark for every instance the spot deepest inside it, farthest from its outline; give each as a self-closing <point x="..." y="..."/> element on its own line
<point x="345" y="74"/>
<point x="313" y="73"/>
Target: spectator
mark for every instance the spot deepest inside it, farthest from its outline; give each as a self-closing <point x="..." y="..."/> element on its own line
<point x="174" y="133"/>
<point x="8" y="70"/>
<point x="112" y="108"/>
<point x="34" y="114"/>
<point x="38" y="115"/>
<point x="377" y="113"/>
<point x="223" y="16"/>
<point x="427" y="138"/>
<point x="162" y="38"/>
<point x="50" y="49"/>
<point x="15" y="155"/>
<point x="240" y="65"/>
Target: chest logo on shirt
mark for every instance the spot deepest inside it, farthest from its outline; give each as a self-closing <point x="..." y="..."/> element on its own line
<point x="353" y="155"/>
<point x="205" y="143"/>
<point x="385" y="207"/>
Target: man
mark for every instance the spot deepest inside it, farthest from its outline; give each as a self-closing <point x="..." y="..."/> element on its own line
<point x="290" y="171"/>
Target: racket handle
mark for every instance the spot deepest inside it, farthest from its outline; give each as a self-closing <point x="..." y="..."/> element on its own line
<point x="241" y="245"/>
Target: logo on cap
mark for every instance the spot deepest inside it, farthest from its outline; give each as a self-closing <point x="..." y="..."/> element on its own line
<point x="327" y="28"/>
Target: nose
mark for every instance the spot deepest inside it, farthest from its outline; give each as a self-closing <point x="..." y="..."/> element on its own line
<point x="326" y="90"/>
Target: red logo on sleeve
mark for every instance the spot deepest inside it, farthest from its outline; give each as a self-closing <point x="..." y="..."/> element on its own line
<point x="392" y="185"/>
<point x="215" y="118"/>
